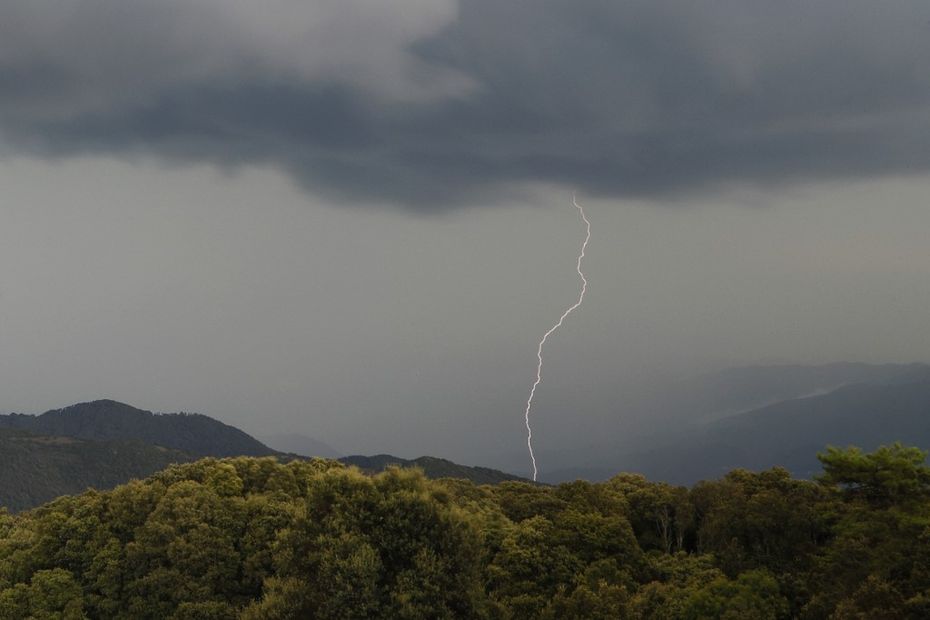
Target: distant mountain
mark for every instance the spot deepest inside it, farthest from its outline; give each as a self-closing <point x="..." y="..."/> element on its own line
<point x="36" y="469"/>
<point x="662" y="413"/>
<point x="193" y="433"/>
<point x="787" y="434"/>
<point x="295" y="443"/>
<point x="105" y="443"/>
<point x="657" y="413"/>
<point x="735" y="390"/>
<point x="863" y="415"/>
<point x="433" y="468"/>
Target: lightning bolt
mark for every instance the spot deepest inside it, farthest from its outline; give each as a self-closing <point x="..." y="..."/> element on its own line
<point x="539" y="350"/>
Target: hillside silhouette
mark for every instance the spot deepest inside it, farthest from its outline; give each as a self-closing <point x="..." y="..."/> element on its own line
<point x="192" y="433"/>
<point x="104" y="443"/>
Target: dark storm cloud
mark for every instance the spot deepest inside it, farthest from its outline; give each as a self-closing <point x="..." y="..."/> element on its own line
<point x="426" y="107"/>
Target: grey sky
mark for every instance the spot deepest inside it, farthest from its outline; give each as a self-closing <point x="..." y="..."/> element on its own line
<point x="354" y="222"/>
<point x="428" y="103"/>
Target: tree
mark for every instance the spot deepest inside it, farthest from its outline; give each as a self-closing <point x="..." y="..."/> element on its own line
<point x="662" y="515"/>
<point x="759" y="520"/>
<point x="892" y="475"/>
<point x="754" y="595"/>
<point x="386" y="546"/>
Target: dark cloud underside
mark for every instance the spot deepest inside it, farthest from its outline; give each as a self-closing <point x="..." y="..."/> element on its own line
<point x="617" y="98"/>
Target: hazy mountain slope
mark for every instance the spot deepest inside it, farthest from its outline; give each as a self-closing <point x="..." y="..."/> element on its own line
<point x="433" y="468"/>
<point x="657" y="412"/>
<point x="295" y="443"/>
<point x="789" y="434"/>
<point x="862" y="415"/>
<point x="193" y="433"/>
<point x="750" y="387"/>
<point x="35" y="469"/>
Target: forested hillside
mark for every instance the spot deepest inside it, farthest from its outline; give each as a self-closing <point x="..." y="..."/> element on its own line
<point x="69" y="450"/>
<point x="431" y="466"/>
<point x="35" y="469"/>
<point x="253" y="538"/>
<point x="192" y="433"/>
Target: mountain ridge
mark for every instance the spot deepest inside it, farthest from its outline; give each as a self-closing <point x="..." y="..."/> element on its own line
<point x="788" y="433"/>
<point x="103" y="443"/>
<point x="433" y="467"/>
<point x="106" y="419"/>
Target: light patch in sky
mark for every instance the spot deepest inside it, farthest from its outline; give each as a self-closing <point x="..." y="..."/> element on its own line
<point x="245" y="298"/>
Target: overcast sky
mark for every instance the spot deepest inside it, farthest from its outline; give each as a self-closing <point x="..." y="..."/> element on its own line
<point x="352" y="219"/>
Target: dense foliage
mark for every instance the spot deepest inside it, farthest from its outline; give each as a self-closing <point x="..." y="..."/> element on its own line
<point x="431" y="466"/>
<point x="35" y="469"/>
<point x="253" y="538"/>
